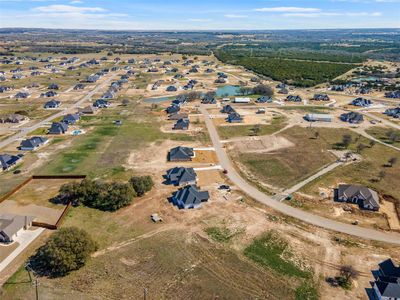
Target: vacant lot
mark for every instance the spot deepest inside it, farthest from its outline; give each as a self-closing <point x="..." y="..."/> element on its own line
<point x="386" y="135"/>
<point x="287" y="166"/>
<point x="228" y="132"/>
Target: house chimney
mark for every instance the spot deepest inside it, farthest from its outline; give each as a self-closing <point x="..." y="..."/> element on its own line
<point x="26" y="223"/>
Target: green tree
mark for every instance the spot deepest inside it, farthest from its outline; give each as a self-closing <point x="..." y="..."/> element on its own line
<point x="263" y="89"/>
<point x="68" y="249"/>
<point x="141" y="184"/>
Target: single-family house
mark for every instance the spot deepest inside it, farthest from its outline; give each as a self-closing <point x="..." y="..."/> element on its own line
<point x="71" y="119"/>
<point x="320" y="97"/>
<point x="386" y="284"/>
<point x="58" y="128"/>
<point x="182" y="124"/>
<point x="7" y="161"/>
<point x="393" y="112"/>
<point x="171" y="88"/>
<point x="364" y="197"/>
<point x="189" y="197"/>
<point x="393" y="94"/>
<point x="173" y="109"/>
<point x="101" y="103"/>
<point x="264" y="99"/>
<point x="12" y="225"/>
<point x="33" y="143"/>
<point x="227" y="109"/>
<point x="181" y="176"/>
<point x="53" y="86"/>
<point x="49" y="94"/>
<point x="293" y="98"/>
<point x="352" y="117"/>
<point x="12" y="118"/>
<point x="52" y="104"/>
<point x="79" y="86"/>
<point x="181" y="154"/>
<point x="361" y="102"/>
<point x="234" y="117"/>
<point x="22" y="95"/>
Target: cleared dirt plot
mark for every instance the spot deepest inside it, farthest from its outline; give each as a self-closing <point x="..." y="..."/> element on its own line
<point x="34" y="199"/>
<point x="262" y="144"/>
<point x="209" y="178"/>
<point x="289" y="165"/>
<point x="204" y="156"/>
<point x="389" y="209"/>
<point x="6" y="250"/>
<point x="231" y="131"/>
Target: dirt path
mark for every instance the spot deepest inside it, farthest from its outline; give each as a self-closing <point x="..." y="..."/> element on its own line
<point x="134" y="240"/>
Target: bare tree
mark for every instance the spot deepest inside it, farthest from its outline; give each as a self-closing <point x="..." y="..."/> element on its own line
<point x="392" y="161"/>
<point x="348" y="272"/>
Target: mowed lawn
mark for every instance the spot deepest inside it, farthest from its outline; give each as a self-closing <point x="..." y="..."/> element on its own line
<point x="288" y="166"/>
<point x="228" y="132"/>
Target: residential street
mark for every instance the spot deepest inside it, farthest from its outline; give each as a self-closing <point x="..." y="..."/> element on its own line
<point x="25" y="131"/>
<point x="310" y="218"/>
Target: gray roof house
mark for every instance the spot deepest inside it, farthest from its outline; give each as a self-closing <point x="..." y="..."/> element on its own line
<point x="182" y="124"/>
<point x="101" y="103"/>
<point x="7" y="161"/>
<point x="58" y="128"/>
<point x="386" y="284"/>
<point x="180" y="154"/>
<point x="364" y="197"/>
<point x="71" y="119"/>
<point x="227" y="109"/>
<point x="189" y="197"/>
<point x="12" y="225"/>
<point x="52" y="104"/>
<point x="181" y="176"/>
<point x="352" y="117"/>
<point x="234" y="118"/>
<point x="33" y="143"/>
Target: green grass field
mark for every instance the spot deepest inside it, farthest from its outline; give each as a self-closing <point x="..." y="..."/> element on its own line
<point x="269" y="250"/>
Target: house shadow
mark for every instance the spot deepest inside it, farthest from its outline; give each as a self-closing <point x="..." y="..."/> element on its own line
<point x="336" y="195"/>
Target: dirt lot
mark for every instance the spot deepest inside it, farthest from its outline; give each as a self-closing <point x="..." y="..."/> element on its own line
<point x="389" y="209"/>
<point x="262" y="144"/>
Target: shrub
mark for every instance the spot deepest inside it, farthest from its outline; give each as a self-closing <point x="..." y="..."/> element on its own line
<point x="96" y="194"/>
<point x="66" y="250"/>
<point x="263" y="89"/>
<point x="141" y="184"/>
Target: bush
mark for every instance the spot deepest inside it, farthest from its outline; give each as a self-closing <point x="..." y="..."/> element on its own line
<point x="96" y="194"/>
<point x="141" y="184"/>
<point x="66" y="250"/>
<point x="263" y="89"/>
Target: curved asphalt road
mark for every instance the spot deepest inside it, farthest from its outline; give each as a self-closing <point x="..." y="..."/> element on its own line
<point x="233" y="175"/>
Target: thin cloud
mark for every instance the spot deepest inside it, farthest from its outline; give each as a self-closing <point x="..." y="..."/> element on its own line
<point x="233" y="16"/>
<point x="58" y="8"/>
<point x="288" y="9"/>
<point x="331" y="14"/>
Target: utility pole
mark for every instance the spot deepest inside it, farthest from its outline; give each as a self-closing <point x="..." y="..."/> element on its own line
<point x="145" y="293"/>
<point x="36" y="288"/>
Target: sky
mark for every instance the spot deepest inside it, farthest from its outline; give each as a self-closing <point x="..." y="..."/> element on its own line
<point x="200" y="14"/>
